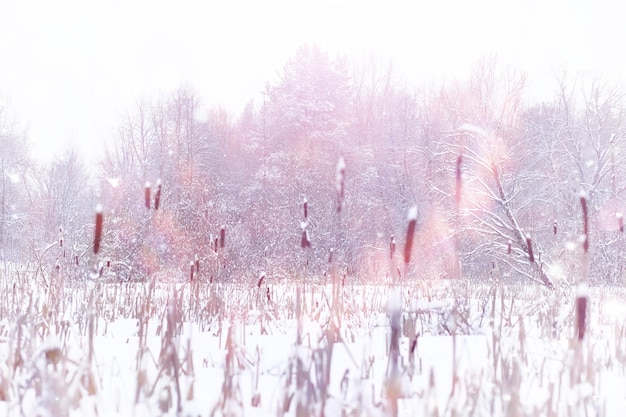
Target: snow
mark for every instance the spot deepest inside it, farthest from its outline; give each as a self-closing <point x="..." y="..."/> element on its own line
<point x="258" y="338"/>
<point x="412" y="215"/>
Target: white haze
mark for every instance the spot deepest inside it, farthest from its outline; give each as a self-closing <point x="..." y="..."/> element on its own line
<point x="71" y="69"/>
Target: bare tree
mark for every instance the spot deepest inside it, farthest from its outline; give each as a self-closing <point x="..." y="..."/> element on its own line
<point x="497" y="166"/>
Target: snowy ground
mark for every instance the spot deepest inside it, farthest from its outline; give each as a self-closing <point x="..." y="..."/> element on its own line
<point x="465" y="349"/>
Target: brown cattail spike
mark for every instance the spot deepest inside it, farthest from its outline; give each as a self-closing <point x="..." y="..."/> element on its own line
<point x="620" y="221"/>
<point x="554" y="227"/>
<point x="392" y="247"/>
<point x="529" y="244"/>
<point x="583" y="204"/>
<point x="157" y="195"/>
<point x="222" y="236"/>
<point x="215" y="245"/>
<point x="340" y="182"/>
<point x="304" y="240"/>
<point x="581" y="310"/>
<point x="147" y="195"/>
<point x="98" y="233"/>
<point x="197" y="262"/>
<point x="191" y="268"/>
<point x="306" y="208"/>
<point x="410" y="232"/>
<point x="509" y="247"/>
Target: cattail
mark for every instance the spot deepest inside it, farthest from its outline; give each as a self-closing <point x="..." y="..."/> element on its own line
<point x="261" y="278"/>
<point x="392" y="247"/>
<point x="581" y="309"/>
<point x="98" y="234"/>
<point x="459" y="162"/>
<point x="60" y="237"/>
<point x="76" y="259"/>
<point x="108" y="263"/>
<point x="620" y="221"/>
<point x="554" y="226"/>
<point x="304" y="240"/>
<point x="340" y="182"/>
<point x="330" y="255"/>
<point x="157" y="195"/>
<point x="529" y="243"/>
<point x="197" y="265"/>
<point x="222" y="236"/>
<point x="215" y="245"/>
<point x="583" y="204"/>
<point x="306" y="208"/>
<point x="147" y="195"/>
<point x="509" y="247"/>
<point x="191" y="268"/>
<point x="412" y="217"/>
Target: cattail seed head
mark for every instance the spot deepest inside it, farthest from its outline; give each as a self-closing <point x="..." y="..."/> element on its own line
<point x="157" y="195"/>
<point x="340" y="182"/>
<point x="620" y="221"/>
<point x="147" y="195"/>
<point x="98" y="232"/>
<point x="582" y="291"/>
<point x="509" y="246"/>
<point x="215" y="240"/>
<point x="305" y="205"/>
<point x="410" y="232"/>
<point x="197" y="262"/>
<point x="529" y="244"/>
<point x="583" y="204"/>
<point x="191" y="269"/>
<point x="554" y="227"/>
<point x="261" y="278"/>
<point x="392" y="247"/>
<point x="222" y="236"/>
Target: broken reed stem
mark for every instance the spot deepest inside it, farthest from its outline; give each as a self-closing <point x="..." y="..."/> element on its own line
<point x="459" y="181"/>
<point x="582" y="289"/>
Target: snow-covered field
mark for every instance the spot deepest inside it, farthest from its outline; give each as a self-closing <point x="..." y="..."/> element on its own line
<point x="200" y="349"/>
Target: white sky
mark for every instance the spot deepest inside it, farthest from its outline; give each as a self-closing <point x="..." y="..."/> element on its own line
<point x="71" y="68"/>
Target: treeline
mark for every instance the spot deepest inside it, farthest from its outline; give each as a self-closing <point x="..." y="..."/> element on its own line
<point x="496" y="180"/>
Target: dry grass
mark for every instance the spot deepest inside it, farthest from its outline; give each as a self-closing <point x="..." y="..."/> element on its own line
<point x="51" y="360"/>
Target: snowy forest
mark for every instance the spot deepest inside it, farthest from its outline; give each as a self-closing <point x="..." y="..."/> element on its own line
<point x="347" y="244"/>
<point x="520" y="168"/>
